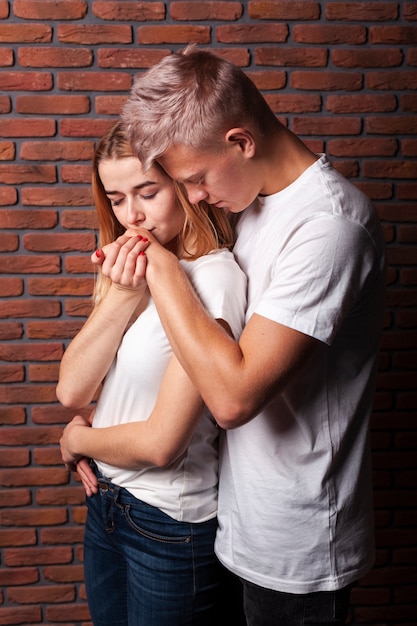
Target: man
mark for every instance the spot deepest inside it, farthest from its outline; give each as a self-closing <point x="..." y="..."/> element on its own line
<point x="295" y="393"/>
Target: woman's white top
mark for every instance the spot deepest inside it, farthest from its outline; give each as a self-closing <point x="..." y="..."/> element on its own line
<point x="187" y="489"/>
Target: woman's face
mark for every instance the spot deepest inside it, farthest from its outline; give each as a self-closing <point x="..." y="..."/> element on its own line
<point x="142" y="200"/>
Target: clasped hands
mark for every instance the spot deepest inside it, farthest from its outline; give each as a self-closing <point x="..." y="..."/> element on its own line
<point x="124" y="260"/>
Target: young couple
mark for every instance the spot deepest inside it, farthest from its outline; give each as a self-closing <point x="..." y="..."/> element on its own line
<point x="179" y="346"/>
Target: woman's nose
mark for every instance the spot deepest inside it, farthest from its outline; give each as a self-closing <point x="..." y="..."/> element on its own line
<point x="135" y="213"/>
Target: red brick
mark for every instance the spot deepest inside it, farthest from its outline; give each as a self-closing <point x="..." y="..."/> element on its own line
<point x="62" y="574"/>
<point x="38" y="556"/>
<point x="78" y="307"/>
<point x="26" y="264"/>
<point x="11" y="287"/>
<point x="390" y="169"/>
<point x="9" y="331"/>
<point x="68" y="612"/>
<point x="361" y="11"/>
<point x="27" y="127"/>
<point x="11" y="374"/>
<point x="291" y="57"/>
<point x="246" y="33"/>
<point x="392" y="125"/>
<point x="294" y="103"/>
<point x="7" y="150"/>
<point x="20" y="615"/>
<point x="329" y="34"/>
<point x="26" y="81"/>
<point x="109" y="105"/>
<point x="25" y="33"/>
<point x="61" y="497"/>
<point x="55" y="57"/>
<point x="28" y="308"/>
<point x="57" y="150"/>
<point x="50" y="9"/>
<point x="6" y="58"/>
<point x="84" y="127"/>
<point x="287" y="10"/>
<point x="75" y="174"/>
<point x="392" y="80"/>
<point x="79" y="219"/>
<point x="59" y="242"/>
<point x="55" y="330"/>
<point x="8" y="195"/>
<point x="5" y="104"/>
<point x="40" y="196"/>
<point x="393" y="35"/>
<point x="87" y="34"/>
<point x="327" y="81"/>
<point x="388" y="57"/>
<point x="173" y="34"/>
<point x="60" y="286"/>
<point x="362" y="147"/>
<point x="129" y="11"/>
<point x="18" y="174"/>
<point x="57" y="536"/>
<point x="205" y="10"/>
<point x="49" y="105"/>
<point x="326" y="125"/>
<point x="96" y="81"/>
<point x="41" y="372"/>
<point x="127" y="57"/>
<point x="361" y="103"/>
<point x="10" y="415"/>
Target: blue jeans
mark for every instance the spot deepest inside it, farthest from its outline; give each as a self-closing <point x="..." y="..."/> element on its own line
<point x="264" y="607"/>
<point x="143" y="568"/>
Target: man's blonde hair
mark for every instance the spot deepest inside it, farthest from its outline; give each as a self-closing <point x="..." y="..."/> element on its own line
<point x="192" y="97"/>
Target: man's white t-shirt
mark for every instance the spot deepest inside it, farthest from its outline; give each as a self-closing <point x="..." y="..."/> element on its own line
<point x="187" y="489"/>
<point x="295" y="502"/>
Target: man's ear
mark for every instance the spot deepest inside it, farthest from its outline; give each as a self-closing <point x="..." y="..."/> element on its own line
<point x="244" y="138"/>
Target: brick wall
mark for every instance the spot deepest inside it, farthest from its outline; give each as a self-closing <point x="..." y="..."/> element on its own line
<point x="343" y="76"/>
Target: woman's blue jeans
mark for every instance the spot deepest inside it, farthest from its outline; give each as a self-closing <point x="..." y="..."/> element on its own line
<point x="264" y="607"/>
<point x="143" y="568"/>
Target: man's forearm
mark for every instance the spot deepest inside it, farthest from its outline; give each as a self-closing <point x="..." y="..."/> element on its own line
<point x="212" y="359"/>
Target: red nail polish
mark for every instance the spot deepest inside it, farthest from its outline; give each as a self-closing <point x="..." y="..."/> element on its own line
<point x="98" y="253"/>
<point x="140" y="237"/>
<point x="144" y="239"/>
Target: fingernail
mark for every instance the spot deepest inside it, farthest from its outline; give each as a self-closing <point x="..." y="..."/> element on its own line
<point x="140" y="237"/>
<point x="144" y="239"/>
<point x="98" y="253"/>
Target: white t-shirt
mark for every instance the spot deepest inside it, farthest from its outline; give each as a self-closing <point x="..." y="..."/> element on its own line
<point x="187" y="489"/>
<point x="295" y="502"/>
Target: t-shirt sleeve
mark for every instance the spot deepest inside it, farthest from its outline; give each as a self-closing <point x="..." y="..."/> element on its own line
<point x="221" y="286"/>
<point x="318" y="276"/>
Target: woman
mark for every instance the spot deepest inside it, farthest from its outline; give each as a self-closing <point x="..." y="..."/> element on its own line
<point x="148" y="553"/>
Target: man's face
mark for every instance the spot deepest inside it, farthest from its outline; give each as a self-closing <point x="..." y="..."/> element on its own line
<point x="219" y="177"/>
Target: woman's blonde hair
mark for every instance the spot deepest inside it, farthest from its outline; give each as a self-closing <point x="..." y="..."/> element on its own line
<point x="206" y="227"/>
<point x="192" y="97"/>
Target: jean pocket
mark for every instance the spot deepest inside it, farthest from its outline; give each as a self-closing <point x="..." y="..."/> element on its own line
<point x="154" y="524"/>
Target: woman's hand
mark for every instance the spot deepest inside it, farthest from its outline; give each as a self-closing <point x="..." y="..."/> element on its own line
<point x="69" y="456"/>
<point x="124" y="260"/>
<point x="87" y="476"/>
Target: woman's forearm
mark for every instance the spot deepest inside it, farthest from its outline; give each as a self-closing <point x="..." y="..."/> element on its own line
<point x="90" y="354"/>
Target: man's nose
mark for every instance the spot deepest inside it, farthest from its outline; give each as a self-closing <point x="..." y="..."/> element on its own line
<point x="195" y="193"/>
